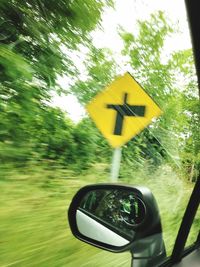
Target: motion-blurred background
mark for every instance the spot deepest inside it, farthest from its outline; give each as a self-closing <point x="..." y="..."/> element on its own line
<point x="55" y="56"/>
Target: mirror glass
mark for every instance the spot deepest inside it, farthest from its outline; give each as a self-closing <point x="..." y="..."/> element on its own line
<point x="110" y="215"/>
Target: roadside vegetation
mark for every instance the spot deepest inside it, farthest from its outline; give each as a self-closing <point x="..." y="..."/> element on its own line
<point x="34" y="228"/>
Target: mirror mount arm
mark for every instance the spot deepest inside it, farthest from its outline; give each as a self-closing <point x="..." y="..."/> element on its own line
<point x="140" y="262"/>
<point x="148" y="252"/>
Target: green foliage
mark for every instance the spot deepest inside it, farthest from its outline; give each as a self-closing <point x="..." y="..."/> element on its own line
<point x="36" y="30"/>
<point x="33" y="34"/>
<point x="143" y="52"/>
<point x="85" y="138"/>
<point x="52" y="136"/>
<point x="161" y="76"/>
<point x="162" y="80"/>
<point x="189" y="119"/>
<point x="34" y="201"/>
<point x="36" y="46"/>
<point x="144" y="147"/>
<point x="101" y="69"/>
<point x="20" y="67"/>
<point x="90" y="145"/>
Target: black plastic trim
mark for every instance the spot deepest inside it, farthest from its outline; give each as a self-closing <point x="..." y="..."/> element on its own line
<point x="192" y="8"/>
<point x="186" y="223"/>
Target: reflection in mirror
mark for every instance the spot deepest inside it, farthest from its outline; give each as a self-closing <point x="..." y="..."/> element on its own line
<point x="110" y="216"/>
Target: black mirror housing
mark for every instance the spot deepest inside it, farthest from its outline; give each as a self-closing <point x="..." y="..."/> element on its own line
<point x="115" y="217"/>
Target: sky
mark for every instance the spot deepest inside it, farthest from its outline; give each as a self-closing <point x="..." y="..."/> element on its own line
<point x="125" y="14"/>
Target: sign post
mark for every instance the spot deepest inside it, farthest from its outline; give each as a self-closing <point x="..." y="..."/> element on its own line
<point x="121" y="111"/>
<point x="115" y="166"/>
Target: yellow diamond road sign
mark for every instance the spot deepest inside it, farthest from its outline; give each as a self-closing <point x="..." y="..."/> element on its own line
<point x="122" y="110"/>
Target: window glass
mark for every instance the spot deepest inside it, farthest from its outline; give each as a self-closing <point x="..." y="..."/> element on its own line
<point x="55" y="58"/>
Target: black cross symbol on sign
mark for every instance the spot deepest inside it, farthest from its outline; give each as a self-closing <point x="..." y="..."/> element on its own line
<point x="125" y="110"/>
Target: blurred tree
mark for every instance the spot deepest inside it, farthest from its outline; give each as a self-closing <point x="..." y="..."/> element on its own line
<point x="52" y="136"/>
<point x="171" y="81"/>
<point x="90" y="145"/>
<point x="189" y="119"/>
<point x="161" y="76"/>
<point x="101" y="69"/>
<point x="37" y="29"/>
<point x="34" y="38"/>
<point x="143" y="53"/>
<point x="37" y="40"/>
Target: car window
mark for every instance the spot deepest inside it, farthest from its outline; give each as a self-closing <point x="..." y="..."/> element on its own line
<point x="56" y="57"/>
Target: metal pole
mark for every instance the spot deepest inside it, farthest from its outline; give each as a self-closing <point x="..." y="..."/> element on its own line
<point x="116" y="159"/>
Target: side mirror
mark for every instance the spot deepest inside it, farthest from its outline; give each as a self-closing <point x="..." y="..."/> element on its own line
<point x="118" y="218"/>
